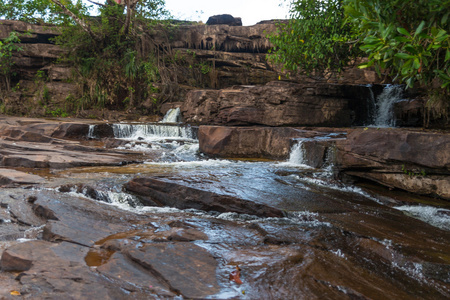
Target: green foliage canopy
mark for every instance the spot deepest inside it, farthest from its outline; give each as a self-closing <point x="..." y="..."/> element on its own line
<point x="408" y="39"/>
<point x="316" y="39"/>
<point x="39" y="11"/>
<point x="112" y="63"/>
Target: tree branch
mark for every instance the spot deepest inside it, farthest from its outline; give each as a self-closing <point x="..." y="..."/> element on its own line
<point x="130" y="4"/>
<point x="79" y="21"/>
<point x="96" y="3"/>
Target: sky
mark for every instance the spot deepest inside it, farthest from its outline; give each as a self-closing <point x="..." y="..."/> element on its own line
<point x="251" y="11"/>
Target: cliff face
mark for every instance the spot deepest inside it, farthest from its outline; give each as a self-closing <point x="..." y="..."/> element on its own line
<point x="230" y="55"/>
<point x="206" y="56"/>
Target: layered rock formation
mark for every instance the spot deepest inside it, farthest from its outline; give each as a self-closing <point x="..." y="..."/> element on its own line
<point x="278" y="103"/>
<point x="32" y="143"/>
<point x="415" y="161"/>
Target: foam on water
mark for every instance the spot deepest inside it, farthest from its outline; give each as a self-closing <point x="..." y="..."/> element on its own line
<point x="296" y="157"/>
<point x="153" y="132"/>
<point x="206" y="164"/>
<point x="438" y="217"/>
<point x="334" y="186"/>
<point x="173" y="115"/>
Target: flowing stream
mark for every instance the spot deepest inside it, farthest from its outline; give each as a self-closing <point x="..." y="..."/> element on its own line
<point x="355" y="242"/>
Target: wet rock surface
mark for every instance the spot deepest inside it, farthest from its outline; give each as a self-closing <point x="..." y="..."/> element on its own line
<point x="163" y="192"/>
<point x="292" y="231"/>
<point x="263" y="142"/>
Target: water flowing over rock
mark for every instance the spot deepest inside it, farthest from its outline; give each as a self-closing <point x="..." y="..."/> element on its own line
<point x="384" y="106"/>
<point x="173" y="115"/>
<point x="162" y="192"/>
<point x="78" y="232"/>
<point x="252" y="142"/>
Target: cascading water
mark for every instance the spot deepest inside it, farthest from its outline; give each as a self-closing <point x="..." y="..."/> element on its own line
<point x="297" y="154"/>
<point x="173" y="115"/>
<point x="384" y="114"/>
<point x="152" y="131"/>
<point x="91" y="132"/>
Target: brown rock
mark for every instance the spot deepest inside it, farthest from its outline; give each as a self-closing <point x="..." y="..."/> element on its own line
<point x="71" y="130"/>
<point x="224" y="20"/>
<point x="188" y="269"/>
<point x="275" y="104"/>
<point x="8" y="176"/>
<point x="253" y="142"/>
<point x="415" y="161"/>
<point x="166" y="193"/>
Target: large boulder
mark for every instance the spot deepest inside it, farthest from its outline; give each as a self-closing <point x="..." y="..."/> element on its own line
<point x="224" y="20"/>
<point x="416" y="161"/>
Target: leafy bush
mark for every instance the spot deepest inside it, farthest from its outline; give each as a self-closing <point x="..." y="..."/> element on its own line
<point x="7" y="47"/>
<point x="316" y="39"/>
<point x="408" y="39"/>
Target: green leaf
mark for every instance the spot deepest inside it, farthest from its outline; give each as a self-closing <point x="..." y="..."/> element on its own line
<point x="401" y="39"/>
<point x="420" y="28"/>
<point x="445" y="18"/>
<point x="363" y="66"/>
<point x="416" y="63"/>
<point x="447" y="55"/>
<point x="411" y="49"/>
<point x="403" y="31"/>
<point x="403" y="55"/>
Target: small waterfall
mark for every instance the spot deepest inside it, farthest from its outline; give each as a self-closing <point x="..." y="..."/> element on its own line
<point x="371" y="105"/>
<point x="91" y="132"/>
<point x="384" y="114"/>
<point x="151" y="131"/>
<point x="297" y="155"/>
<point x="173" y="115"/>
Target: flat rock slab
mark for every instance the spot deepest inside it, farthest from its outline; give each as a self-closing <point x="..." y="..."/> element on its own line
<point x="56" y="156"/>
<point x="9" y="176"/>
<point x="161" y="192"/>
<point x="188" y="269"/>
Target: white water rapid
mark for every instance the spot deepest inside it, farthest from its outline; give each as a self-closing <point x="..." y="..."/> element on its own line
<point x="173" y="115"/>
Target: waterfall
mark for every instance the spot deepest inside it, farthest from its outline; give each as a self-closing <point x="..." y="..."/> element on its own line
<point x="371" y="105"/>
<point x="384" y="114"/>
<point x="173" y="115"/>
<point x="297" y="155"/>
<point x="91" y="132"/>
<point x="150" y="131"/>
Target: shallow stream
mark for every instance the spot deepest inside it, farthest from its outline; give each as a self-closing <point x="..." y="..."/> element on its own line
<point x="336" y="241"/>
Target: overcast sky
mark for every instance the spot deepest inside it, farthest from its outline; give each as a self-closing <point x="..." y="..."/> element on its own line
<point x="251" y="11"/>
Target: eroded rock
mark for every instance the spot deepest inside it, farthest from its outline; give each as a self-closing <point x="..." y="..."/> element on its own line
<point x="165" y="193"/>
<point x="274" y="104"/>
<point x="416" y="161"/>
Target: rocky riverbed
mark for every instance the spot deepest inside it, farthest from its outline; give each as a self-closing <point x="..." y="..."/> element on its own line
<point x="124" y="213"/>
